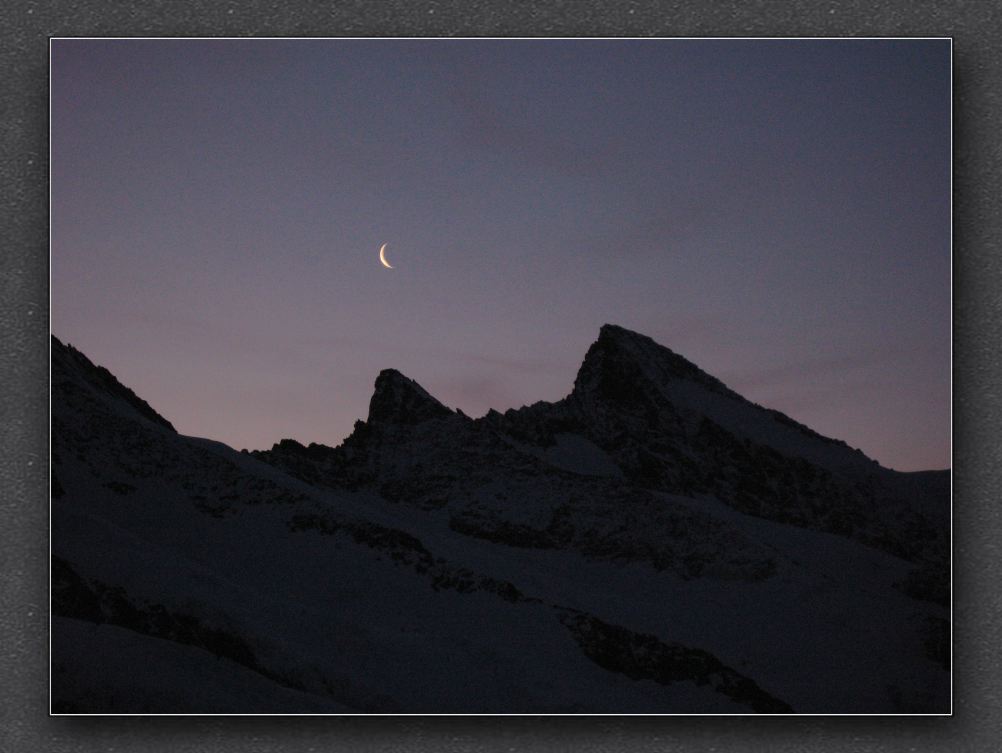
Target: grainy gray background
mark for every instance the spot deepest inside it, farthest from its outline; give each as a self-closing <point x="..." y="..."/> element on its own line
<point x="26" y="26"/>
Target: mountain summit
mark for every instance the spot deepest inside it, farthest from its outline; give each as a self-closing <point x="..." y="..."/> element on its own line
<point x="399" y="400"/>
<point x="622" y="363"/>
<point x="653" y="542"/>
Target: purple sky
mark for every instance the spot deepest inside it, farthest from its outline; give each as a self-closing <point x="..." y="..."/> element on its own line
<point x="777" y="212"/>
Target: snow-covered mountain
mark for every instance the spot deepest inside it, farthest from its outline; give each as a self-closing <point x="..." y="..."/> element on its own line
<point x="653" y="543"/>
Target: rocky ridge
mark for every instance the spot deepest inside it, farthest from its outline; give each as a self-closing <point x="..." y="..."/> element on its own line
<point x="653" y="420"/>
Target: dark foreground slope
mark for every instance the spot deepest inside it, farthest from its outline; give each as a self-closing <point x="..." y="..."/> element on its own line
<point x="582" y="556"/>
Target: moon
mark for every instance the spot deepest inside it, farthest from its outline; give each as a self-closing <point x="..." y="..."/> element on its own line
<point x="382" y="257"/>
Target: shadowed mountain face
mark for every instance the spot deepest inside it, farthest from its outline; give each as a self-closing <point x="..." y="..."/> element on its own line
<point x="651" y="543"/>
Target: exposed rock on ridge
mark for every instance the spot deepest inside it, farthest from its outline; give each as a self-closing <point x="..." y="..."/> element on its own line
<point x="67" y="362"/>
<point x="400" y="400"/>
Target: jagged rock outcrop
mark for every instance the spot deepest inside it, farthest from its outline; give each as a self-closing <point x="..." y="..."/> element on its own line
<point x="663" y="425"/>
<point x="402" y="401"/>
<point x="72" y="370"/>
<point x="622" y="365"/>
<point x="671" y="427"/>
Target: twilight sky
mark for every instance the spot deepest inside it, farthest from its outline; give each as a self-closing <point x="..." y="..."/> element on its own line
<point x="778" y="212"/>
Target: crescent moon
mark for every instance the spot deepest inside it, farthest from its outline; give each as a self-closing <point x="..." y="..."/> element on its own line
<point x="382" y="257"/>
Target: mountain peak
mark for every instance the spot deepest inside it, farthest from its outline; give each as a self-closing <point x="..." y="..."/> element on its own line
<point x="398" y="399"/>
<point x="608" y="331"/>
<point x="67" y="360"/>
<point x="621" y="362"/>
